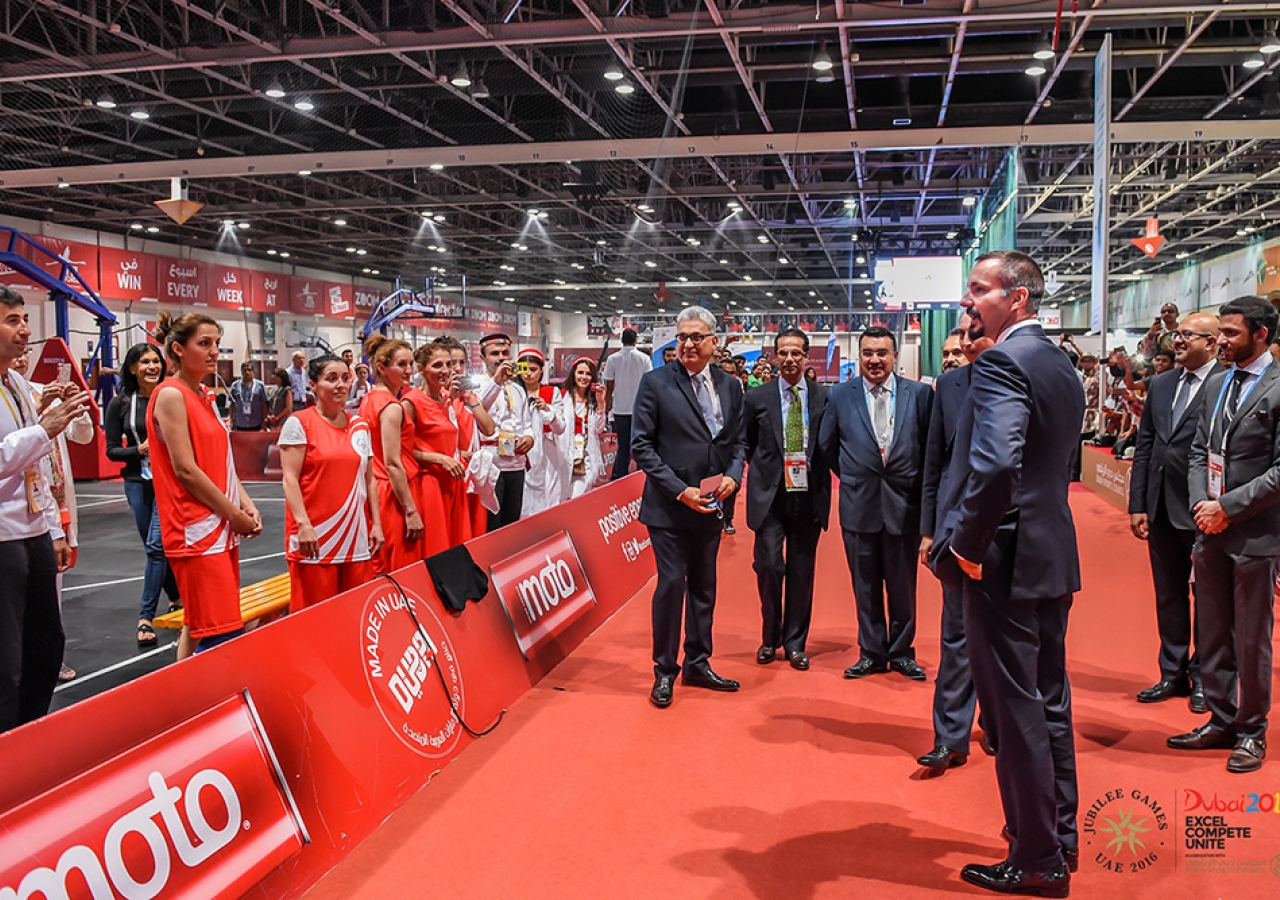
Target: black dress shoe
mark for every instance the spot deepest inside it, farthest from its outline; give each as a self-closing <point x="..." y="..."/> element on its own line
<point x="1197" y="703"/>
<point x="1007" y="879"/>
<point x="864" y="667"/>
<point x="766" y="654"/>
<point x="1164" y="690"/>
<point x="908" y="667"/>
<point x="799" y="660"/>
<point x="1247" y="755"/>
<point x="1206" y="737"/>
<point x="709" y="680"/>
<point x="987" y="747"/>
<point x="941" y="757"/>
<point x="729" y="529"/>
<point x="660" y="696"/>
<point x="1071" y="857"/>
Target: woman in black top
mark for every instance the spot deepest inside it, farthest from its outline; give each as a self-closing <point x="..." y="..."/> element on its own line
<point x="281" y="401"/>
<point x="126" y="428"/>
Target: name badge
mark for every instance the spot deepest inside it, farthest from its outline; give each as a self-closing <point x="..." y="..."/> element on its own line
<point x="1217" y="466"/>
<point x="506" y="443"/>
<point x="579" y="446"/>
<point x="796" y="472"/>
<point x="31" y="475"/>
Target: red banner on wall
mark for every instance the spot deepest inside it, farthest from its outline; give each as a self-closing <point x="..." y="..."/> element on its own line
<point x="343" y="683"/>
<point x="338" y="303"/>
<point x="83" y="257"/>
<point x="128" y="275"/>
<point x="184" y="281"/>
<point x="366" y="299"/>
<point x="229" y="288"/>
<point x="306" y="296"/>
<point x="268" y="291"/>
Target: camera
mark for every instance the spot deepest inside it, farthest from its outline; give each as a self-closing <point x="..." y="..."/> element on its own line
<point x="520" y="368"/>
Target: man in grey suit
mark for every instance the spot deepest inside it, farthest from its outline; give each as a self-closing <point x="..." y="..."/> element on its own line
<point x="873" y="434"/>
<point x="686" y="429"/>
<point x="1159" y="509"/>
<point x="1234" y="482"/>
<point x="1007" y="538"/>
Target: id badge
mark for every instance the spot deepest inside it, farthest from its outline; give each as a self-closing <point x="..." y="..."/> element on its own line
<point x="796" y="472"/>
<point x="146" y="468"/>
<point x="579" y="446"/>
<point x="1217" y="465"/>
<point x="246" y="408"/>
<point x="31" y="475"/>
<point x="506" y="443"/>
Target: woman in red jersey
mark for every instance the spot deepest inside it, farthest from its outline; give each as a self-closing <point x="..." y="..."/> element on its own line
<point x="473" y="421"/>
<point x="442" y="492"/>
<point x="333" y="527"/>
<point x="585" y="409"/>
<point x="203" y="509"/>
<point x="395" y="471"/>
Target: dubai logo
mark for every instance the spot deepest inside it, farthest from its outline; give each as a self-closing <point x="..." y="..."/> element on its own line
<point x="1125" y="831"/>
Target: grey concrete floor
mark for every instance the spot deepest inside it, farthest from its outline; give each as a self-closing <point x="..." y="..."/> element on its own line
<point x="100" y="595"/>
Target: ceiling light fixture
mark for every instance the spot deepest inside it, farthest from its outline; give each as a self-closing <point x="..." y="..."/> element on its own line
<point x="304" y="172"/>
<point x="140" y="114"/>
<point x="155" y="229"/>
<point x="461" y="78"/>
<point x="136" y="226"/>
<point x="284" y="254"/>
<point x="1035" y="69"/>
<point x="822" y="61"/>
<point x="614" y="72"/>
<point x="436" y="167"/>
<point x="625" y="87"/>
<point x="274" y="90"/>
<point x="1254" y="60"/>
<point x="303" y="104"/>
<point x="1044" y="51"/>
<point x="271" y="253"/>
<point x="105" y="102"/>
<point x="1270" y="44"/>
<point x="339" y="222"/>
<point x="850" y="202"/>
<point x="969" y="200"/>
<point x="480" y="91"/>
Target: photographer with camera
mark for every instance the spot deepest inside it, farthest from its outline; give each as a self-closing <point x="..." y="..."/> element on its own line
<point x="505" y="399"/>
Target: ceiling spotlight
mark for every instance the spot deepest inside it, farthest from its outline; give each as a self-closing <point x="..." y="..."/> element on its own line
<point x="1182" y="254"/>
<point x="436" y="167"/>
<point x="284" y="254"/>
<point x="969" y="200"/>
<point x="136" y="226"/>
<point x="304" y="172"/>
<point x="339" y="222"/>
<point x="683" y="278"/>
<point x="438" y="217"/>
<point x="1044" y="51"/>
<point x="951" y="235"/>
<point x="625" y="87"/>
<point x="747" y="278"/>
<point x="140" y="114"/>
<point x="155" y="229"/>
<point x="303" y="104"/>
<point x="105" y="102"/>
<point x="228" y="223"/>
<point x="351" y="249"/>
<point x="242" y="224"/>
<point x="480" y="91"/>
<point x="724" y="262"/>
<point x="361" y="252"/>
<point x="275" y="91"/>
<point x="375" y="272"/>
<point x="1269" y="43"/>
<point x="762" y="238"/>
<point x="850" y="202"/>
<point x="860" y="260"/>
<point x="271" y="253"/>
<point x="734" y="205"/>
<point x="614" y="72"/>
<point x="1240" y="232"/>
<point x="1254" y="60"/>
<point x="822" y="62"/>
<point x="644" y="207"/>
<point x="650" y="264"/>
<point x="533" y="213"/>
<point x="1036" y="69"/>
<point x="783" y="261"/>
<point x="461" y="78"/>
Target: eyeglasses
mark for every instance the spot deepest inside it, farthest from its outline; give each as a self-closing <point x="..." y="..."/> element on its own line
<point x="1188" y="335"/>
<point x="694" y="338"/>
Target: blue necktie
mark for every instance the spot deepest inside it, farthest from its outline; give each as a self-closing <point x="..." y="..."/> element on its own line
<point x="701" y="391"/>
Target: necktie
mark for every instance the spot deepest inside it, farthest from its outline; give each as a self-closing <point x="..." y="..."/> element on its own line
<point x="1183" y="397"/>
<point x="793" y="432"/>
<point x="702" y="391"/>
<point x="1233" y="399"/>
<point x="880" y="414"/>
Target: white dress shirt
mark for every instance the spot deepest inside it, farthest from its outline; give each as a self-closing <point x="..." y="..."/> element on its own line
<point x="23" y="445"/>
<point x="625" y="369"/>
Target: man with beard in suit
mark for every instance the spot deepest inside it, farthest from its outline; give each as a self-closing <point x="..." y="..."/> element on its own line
<point x="1159" y="509"/>
<point x="1008" y="540"/>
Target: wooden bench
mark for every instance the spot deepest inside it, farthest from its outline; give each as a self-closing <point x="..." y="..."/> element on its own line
<point x="256" y="600"/>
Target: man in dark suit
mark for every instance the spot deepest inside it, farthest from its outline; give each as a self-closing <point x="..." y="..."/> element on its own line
<point x="1159" y="509"/>
<point x="788" y="496"/>
<point x="873" y="434"/>
<point x="953" y="694"/>
<point x="686" y="430"/>
<point x="1008" y="539"/>
<point x="1234" y="482"/>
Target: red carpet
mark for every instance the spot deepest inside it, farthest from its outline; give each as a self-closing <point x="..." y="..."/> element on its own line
<point x="804" y="785"/>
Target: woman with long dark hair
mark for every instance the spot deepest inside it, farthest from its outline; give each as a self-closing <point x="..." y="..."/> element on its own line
<point x="333" y="527"/>
<point x="126" y="427"/>
<point x="281" y="405"/>
<point x="203" y="509"/>
<point x="583" y="407"/>
<point x="394" y="468"/>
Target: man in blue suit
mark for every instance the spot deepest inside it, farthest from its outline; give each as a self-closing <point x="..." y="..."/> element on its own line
<point x="1006" y="536"/>
<point x="873" y="433"/>
<point x="686" y="430"/>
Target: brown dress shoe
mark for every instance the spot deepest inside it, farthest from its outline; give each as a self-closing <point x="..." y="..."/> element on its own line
<point x="1247" y="755"/>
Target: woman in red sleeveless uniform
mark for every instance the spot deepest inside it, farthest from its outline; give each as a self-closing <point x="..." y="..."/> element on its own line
<point x="395" y="471"/>
<point x="203" y="509"/>
<point x="441" y="489"/>
<point x="333" y="527"/>
<point x="473" y="421"/>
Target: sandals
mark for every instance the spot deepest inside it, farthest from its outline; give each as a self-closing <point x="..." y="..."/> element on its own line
<point x="146" y="635"/>
<point x="175" y="606"/>
<point x="66" y="673"/>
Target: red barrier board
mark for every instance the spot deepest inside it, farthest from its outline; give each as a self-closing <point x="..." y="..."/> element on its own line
<point x="204" y="791"/>
<point x="128" y="275"/>
<point x="358" y="701"/>
<point x="543" y="591"/>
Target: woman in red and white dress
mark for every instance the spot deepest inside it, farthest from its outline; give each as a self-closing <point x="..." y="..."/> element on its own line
<point x="441" y="489"/>
<point x="547" y="481"/>
<point x="583" y="398"/>
<point x="203" y="509"/>
<point x="332" y="527"/>
<point x="395" y="471"/>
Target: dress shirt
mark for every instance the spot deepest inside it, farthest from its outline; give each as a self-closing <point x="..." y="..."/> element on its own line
<point x="1023" y="323"/>
<point x="1201" y="374"/>
<point x="784" y="391"/>
<point x="298" y="384"/>
<point x="23" y="444"/>
<point x="511" y="413"/>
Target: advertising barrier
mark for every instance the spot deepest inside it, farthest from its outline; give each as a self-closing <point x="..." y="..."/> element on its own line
<point x="1106" y="475"/>
<point x="357" y="693"/>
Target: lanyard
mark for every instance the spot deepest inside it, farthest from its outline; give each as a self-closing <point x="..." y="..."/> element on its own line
<point x="23" y="414"/>
<point x="1226" y="386"/>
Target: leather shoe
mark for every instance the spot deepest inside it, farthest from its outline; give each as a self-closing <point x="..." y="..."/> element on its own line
<point x="1197" y="703"/>
<point x="1247" y="755"/>
<point x="908" y="667"/>
<point x="864" y="667"/>
<point x="988" y="747"/>
<point x="729" y="529"/>
<point x="660" y="696"/>
<point x="799" y="660"/>
<point x="1164" y="690"/>
<point x="1206" y="737"/>
<point x="1007" y="879"/>
<point x="709" y="680"/>
<point x="766" y="654"/>
<point x="941" y="757"/>
<point x="1071" y="857"/>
